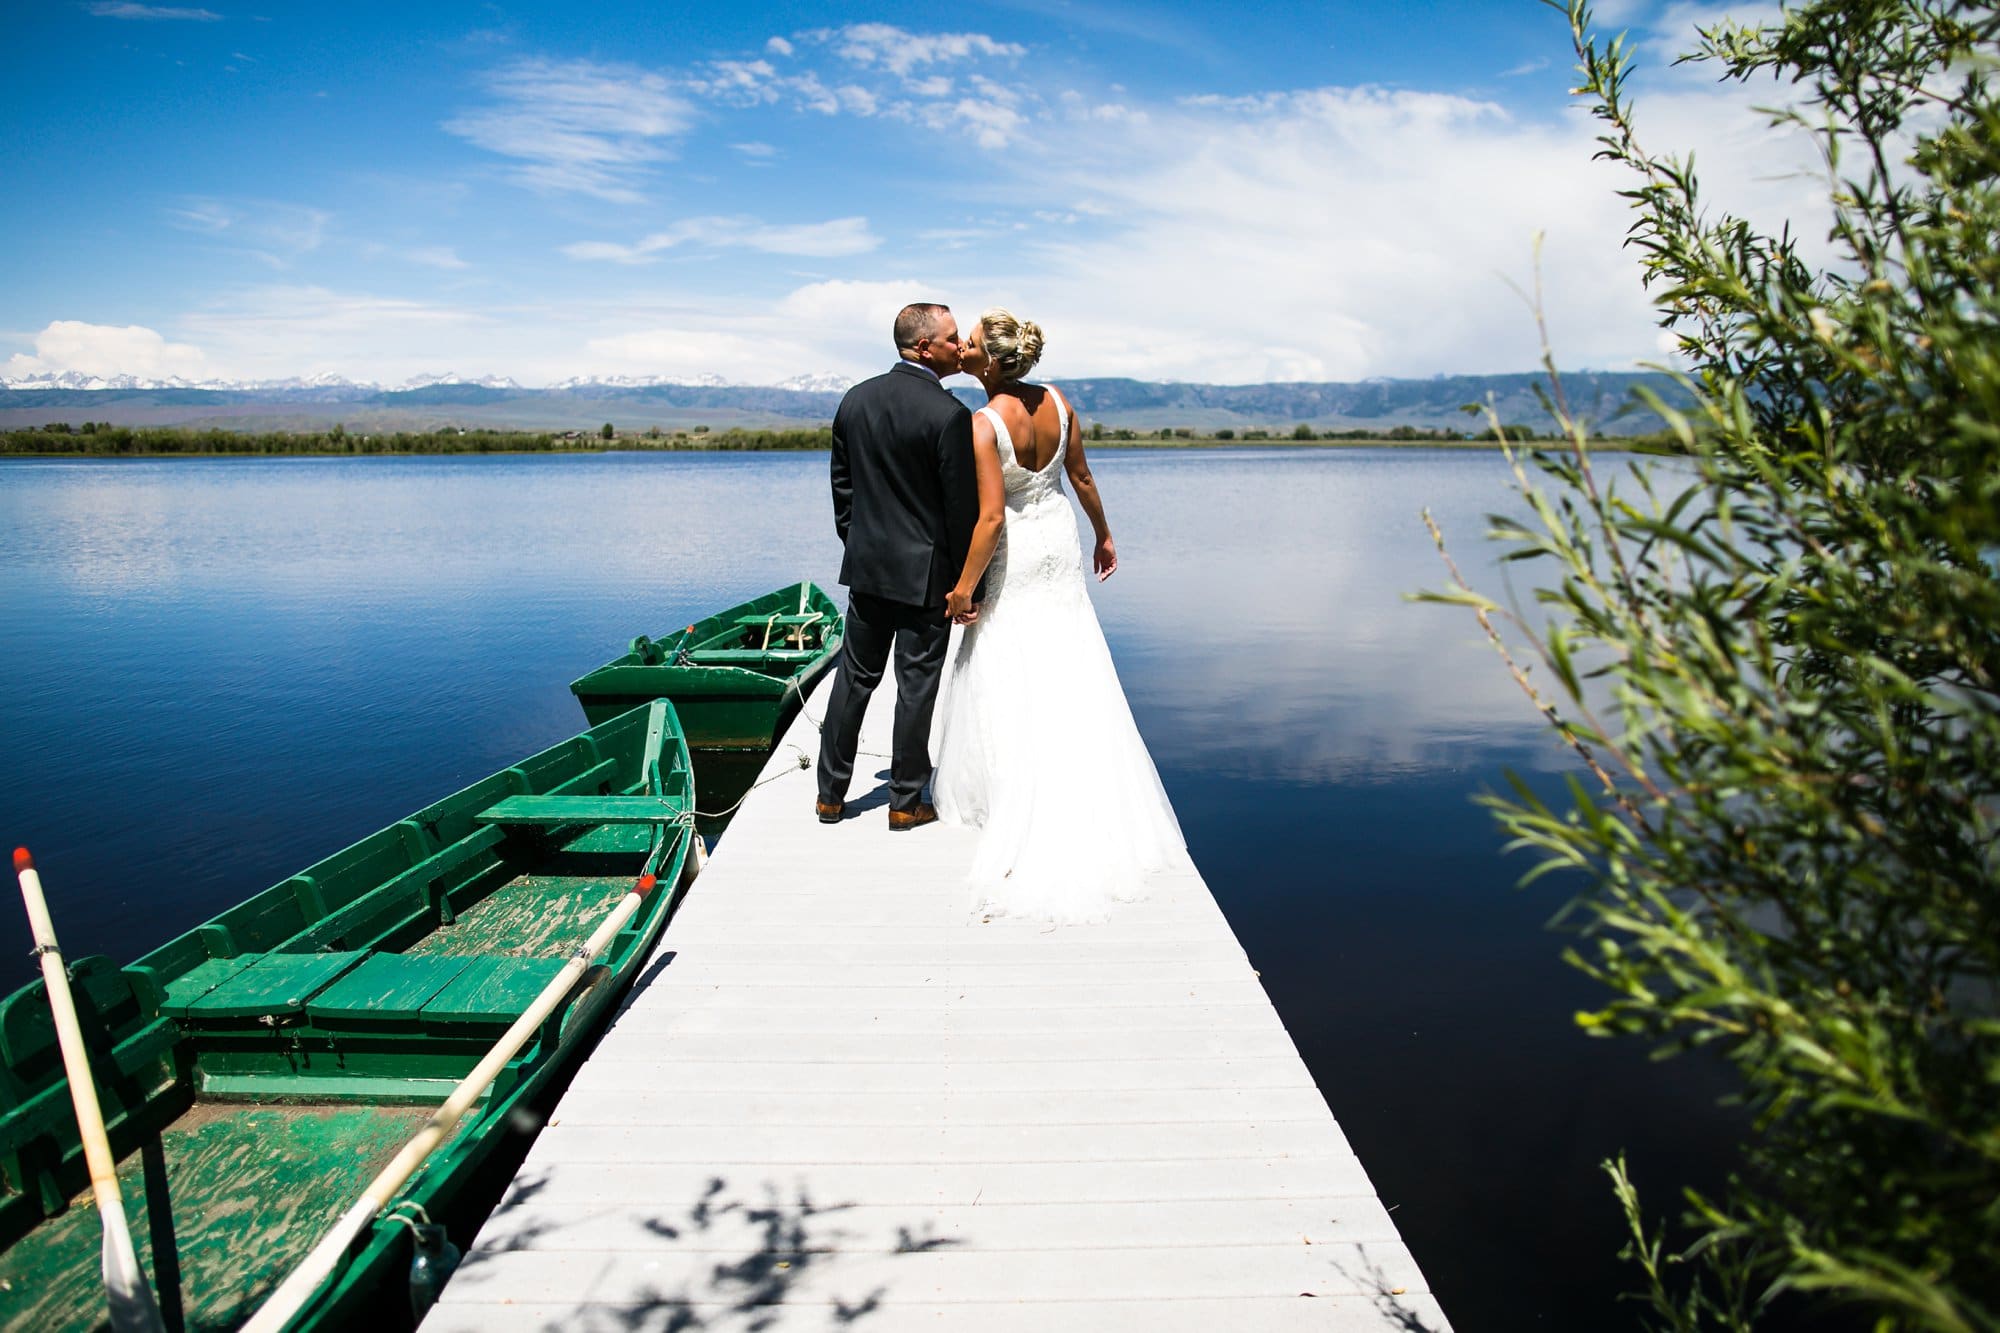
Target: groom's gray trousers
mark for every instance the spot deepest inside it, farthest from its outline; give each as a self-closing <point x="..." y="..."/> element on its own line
<point x="919" y="635"/>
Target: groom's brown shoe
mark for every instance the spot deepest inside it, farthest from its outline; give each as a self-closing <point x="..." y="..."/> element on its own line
<point x="901" y="821"/>
<point x="829" y="811"/>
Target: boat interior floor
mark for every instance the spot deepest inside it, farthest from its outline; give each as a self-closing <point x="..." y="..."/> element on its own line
<point x="252" y="1188"/>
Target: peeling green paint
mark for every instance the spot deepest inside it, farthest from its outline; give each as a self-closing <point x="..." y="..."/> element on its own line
<point x="252" y="1188"/>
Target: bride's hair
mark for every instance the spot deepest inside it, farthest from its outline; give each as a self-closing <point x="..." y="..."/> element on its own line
<point x="1014" y="344"/>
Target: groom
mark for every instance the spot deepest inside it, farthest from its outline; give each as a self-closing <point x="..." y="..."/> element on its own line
<point x="904" y="502"/>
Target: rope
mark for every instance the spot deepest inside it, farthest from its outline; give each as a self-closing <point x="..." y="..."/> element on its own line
<point x="797" y="632"/>
<point x="805" y="761"/>
<point x="792" y="685"/>
<point x="396" y="1214"/>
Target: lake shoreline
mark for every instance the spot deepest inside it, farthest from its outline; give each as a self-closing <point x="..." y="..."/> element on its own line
<point x="1605" y="444"/>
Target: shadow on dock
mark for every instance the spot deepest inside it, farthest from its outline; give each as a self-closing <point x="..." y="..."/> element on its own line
<point x="1390" y="1302"/>
<point x="799" y="1240"/>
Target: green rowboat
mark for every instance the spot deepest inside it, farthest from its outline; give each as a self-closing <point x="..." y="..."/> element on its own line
<point x="736" y="678"/>
<point x="261" y="1069"/>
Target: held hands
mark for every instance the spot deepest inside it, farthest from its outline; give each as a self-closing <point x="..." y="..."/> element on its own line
<point x="1105" y="558"/>
<point x="958" y="606"/>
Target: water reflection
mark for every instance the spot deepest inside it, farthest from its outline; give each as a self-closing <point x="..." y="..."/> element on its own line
<point x="220" y="670"/>
<point x="1273" y="626"/>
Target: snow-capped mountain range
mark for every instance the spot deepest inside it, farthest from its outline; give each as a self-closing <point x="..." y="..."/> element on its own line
<point x="824" y="382"/>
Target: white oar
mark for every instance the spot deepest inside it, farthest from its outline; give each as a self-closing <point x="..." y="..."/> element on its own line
<point x="132" y="1304"/>
<point x="297" y="1289"/>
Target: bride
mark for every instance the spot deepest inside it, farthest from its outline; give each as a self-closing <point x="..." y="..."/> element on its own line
<point x="1036" y="743"/>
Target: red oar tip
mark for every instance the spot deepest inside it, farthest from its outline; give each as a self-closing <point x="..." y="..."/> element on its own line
<point x="22" y="861"/>
<point x="645" y="884"/>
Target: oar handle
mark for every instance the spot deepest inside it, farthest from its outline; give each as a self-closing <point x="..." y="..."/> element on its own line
<point x="131" y="1299"/>
<point x="69" y="1033"/>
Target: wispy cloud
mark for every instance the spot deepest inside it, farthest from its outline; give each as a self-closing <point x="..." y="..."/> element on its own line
<point x="436" y="256"/>
<point x="1526" y="67"/>
<point x="276" y="234"/>
<point x="577" y="126"/>
<point x="117" y="9"/>
<point x="819" y="240"/>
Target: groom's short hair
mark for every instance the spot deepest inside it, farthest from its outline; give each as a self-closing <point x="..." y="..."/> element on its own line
<point x="916" y="322"/>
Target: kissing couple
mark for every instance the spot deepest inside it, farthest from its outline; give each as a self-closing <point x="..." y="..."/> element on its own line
<point x="961" y="548"/>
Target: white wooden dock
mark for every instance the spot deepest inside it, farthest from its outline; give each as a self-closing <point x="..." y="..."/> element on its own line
<point x="838" y="1100"/>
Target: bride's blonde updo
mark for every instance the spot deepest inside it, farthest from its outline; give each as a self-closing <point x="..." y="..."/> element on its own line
<point x="1014" y="344"/>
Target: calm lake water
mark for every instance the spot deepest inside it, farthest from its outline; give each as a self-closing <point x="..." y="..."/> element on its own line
<point x="218" y="671"/>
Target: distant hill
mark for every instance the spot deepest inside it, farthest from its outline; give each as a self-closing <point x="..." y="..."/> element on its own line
<point x="586" y="405"/>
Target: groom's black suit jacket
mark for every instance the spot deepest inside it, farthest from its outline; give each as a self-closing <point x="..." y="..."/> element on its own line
<point x="904" y="494"/>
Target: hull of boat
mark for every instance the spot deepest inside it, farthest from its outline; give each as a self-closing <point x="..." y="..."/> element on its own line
<point x="257" y="1071"/>
<point x="736" y="679"/>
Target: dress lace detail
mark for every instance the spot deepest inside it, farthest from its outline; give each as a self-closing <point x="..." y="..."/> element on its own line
<point x="1035" y="741"/>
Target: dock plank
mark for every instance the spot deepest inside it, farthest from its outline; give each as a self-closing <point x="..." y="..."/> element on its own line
<point x="843" y="1098"/>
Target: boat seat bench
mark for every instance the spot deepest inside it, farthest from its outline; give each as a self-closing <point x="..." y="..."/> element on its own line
<point x="749" y="656"/>
<point x="363" y="989"/>
<point x="433" y="991"/>
<point x="270" y="985"/>
<point x="554" y="811"/>
<point x="783" y="618"/>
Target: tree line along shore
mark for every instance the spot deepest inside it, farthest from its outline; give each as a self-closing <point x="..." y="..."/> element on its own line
<point x="105" y="440"/>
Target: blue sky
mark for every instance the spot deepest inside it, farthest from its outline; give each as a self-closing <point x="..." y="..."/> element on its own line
<point x="1211" y="192"/>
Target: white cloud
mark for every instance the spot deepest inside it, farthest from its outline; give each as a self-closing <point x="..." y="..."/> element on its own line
<point x="842" y="325"/>
<point x="825" y="306"/>
<point x="814" y="95"/>
<point x="738" y="82"/>
<point x="105" y="350"/>
<point x="878" y="72"/>
<point x="275" y="331"/>
<point x="1343" y="233"/>
<point x="681" y="352"/>
<point x="992" y="125"/>
<point x="822" y="240"/>
<point x="578" y="126"/>
<point x="885" y="46"/>
<point x="110" y="9"/>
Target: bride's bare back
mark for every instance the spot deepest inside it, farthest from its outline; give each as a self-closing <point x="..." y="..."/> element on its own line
<point x="1033" y="421"/>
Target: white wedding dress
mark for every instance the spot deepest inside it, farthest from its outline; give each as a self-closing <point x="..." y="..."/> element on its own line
<point x="1035" y="742"/>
